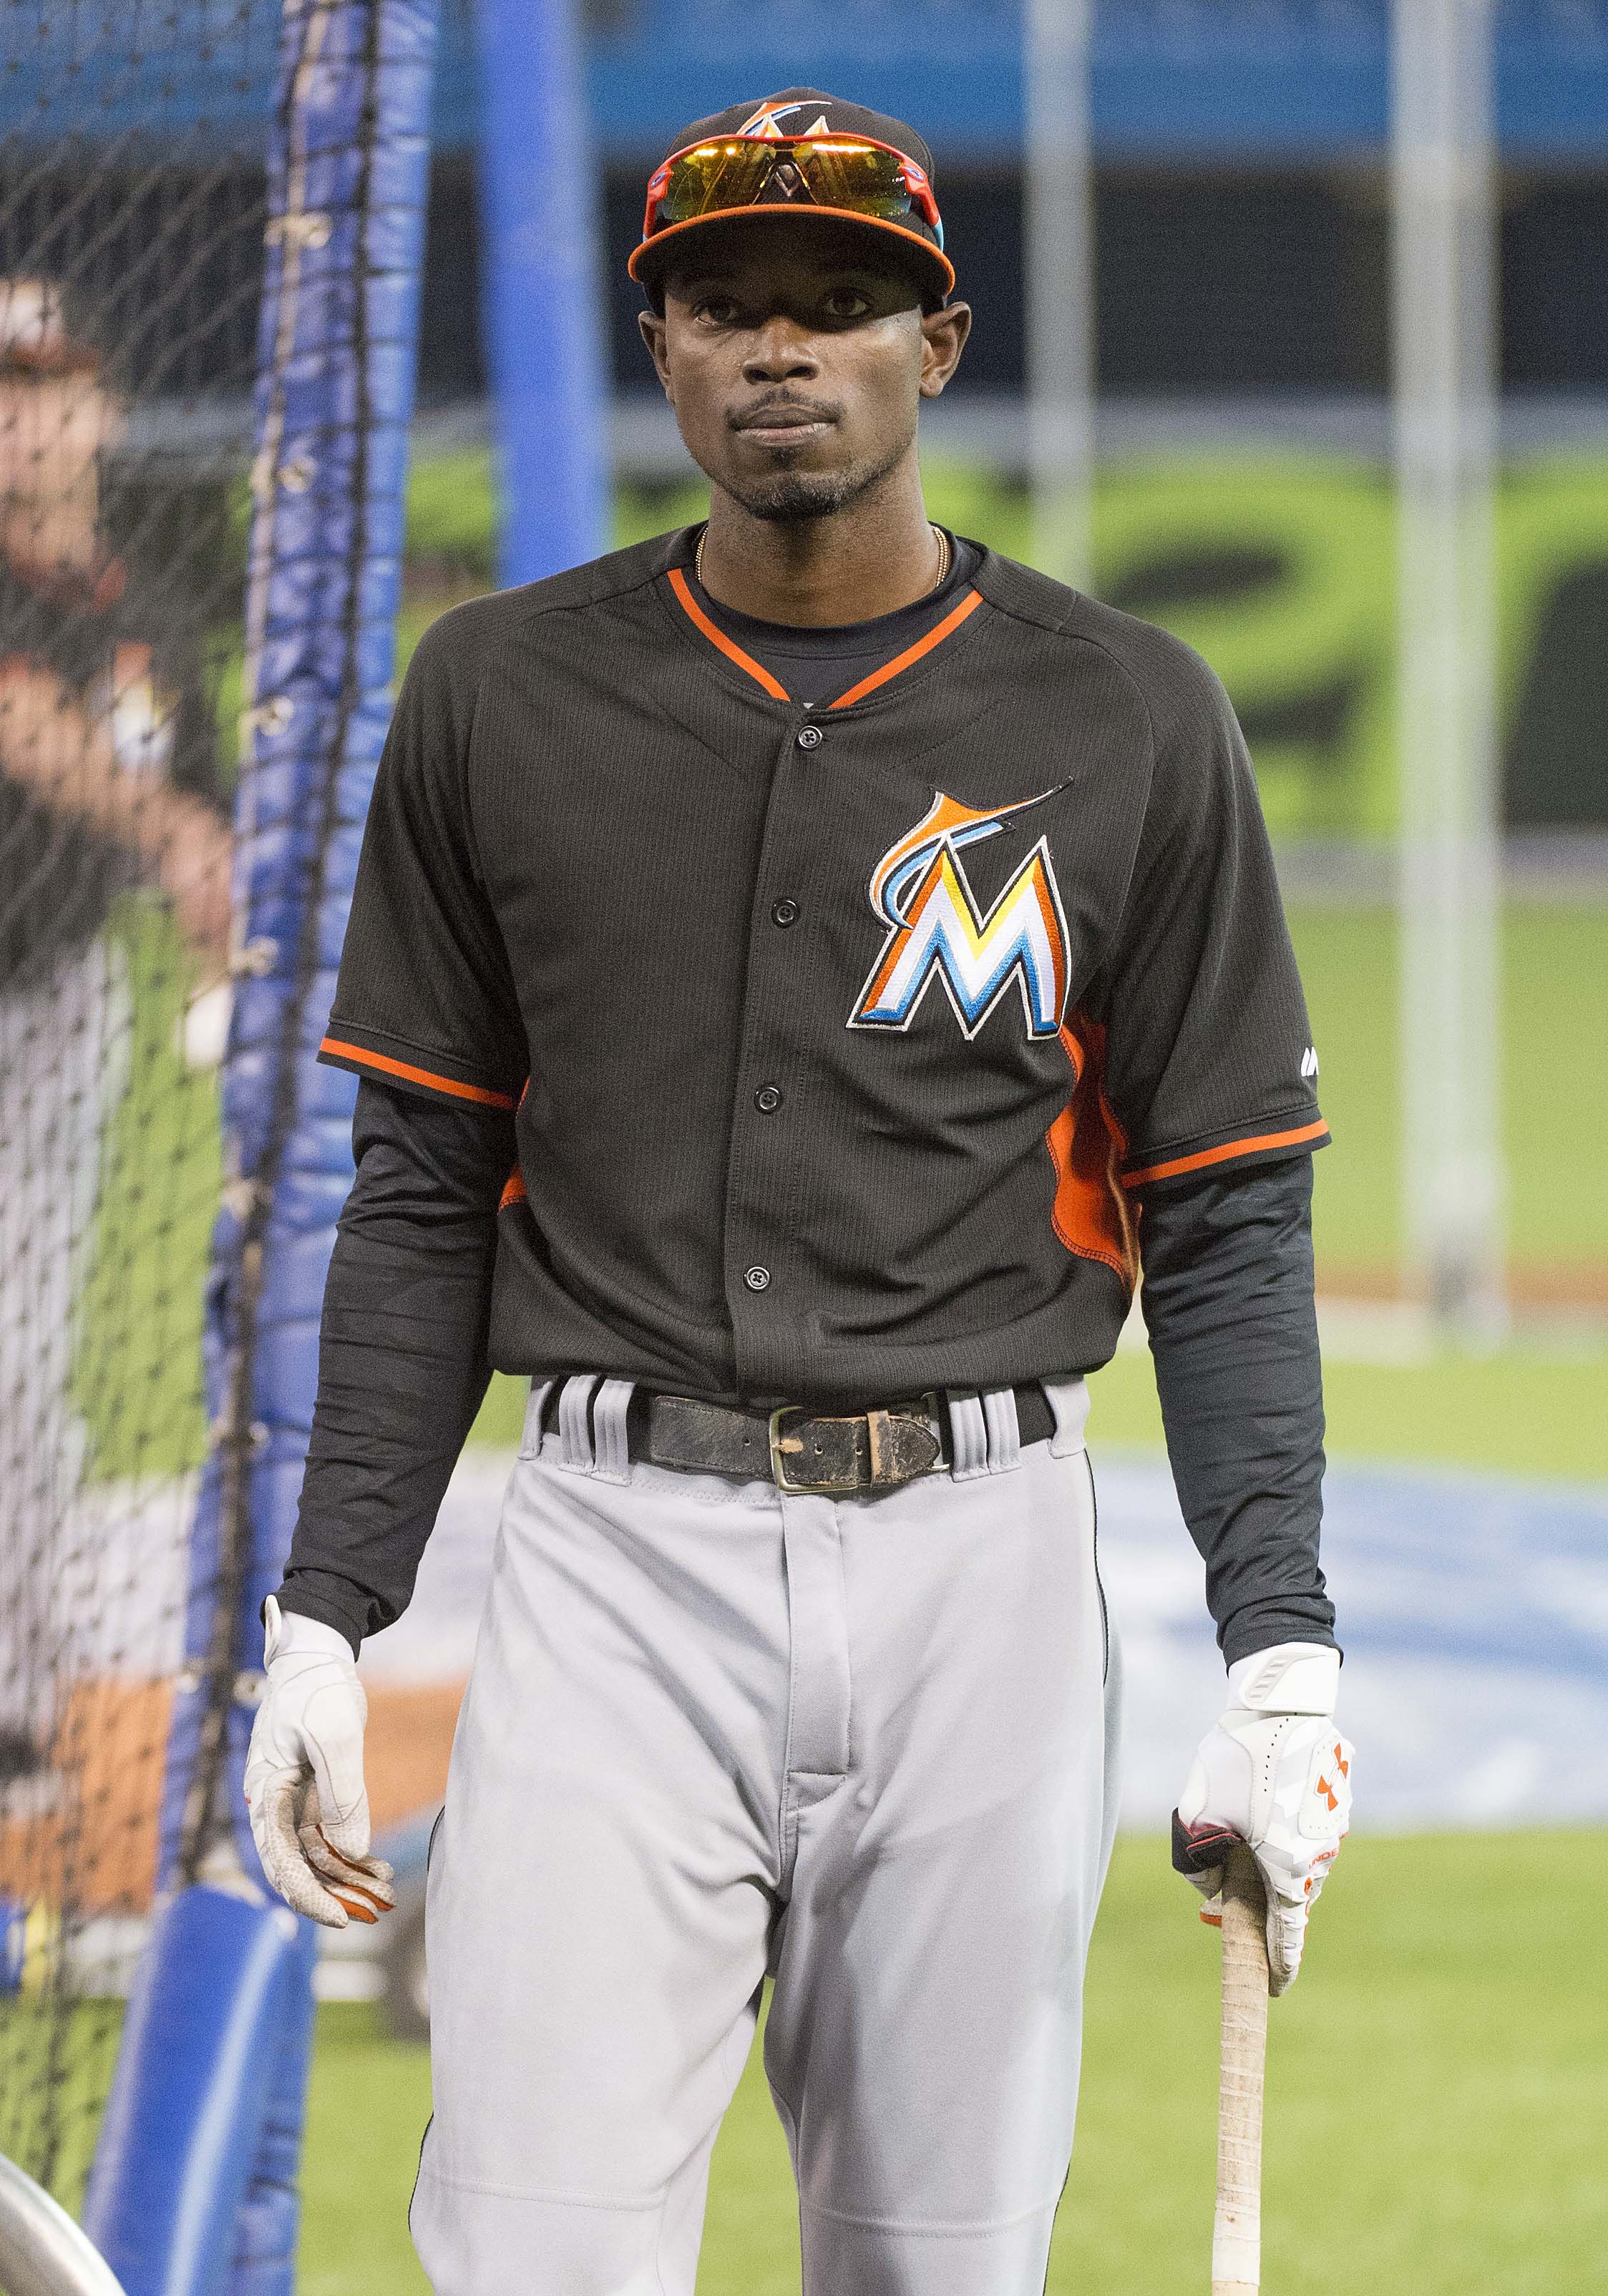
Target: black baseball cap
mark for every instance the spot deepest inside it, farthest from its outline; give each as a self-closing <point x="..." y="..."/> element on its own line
<point x="801" y="115"/>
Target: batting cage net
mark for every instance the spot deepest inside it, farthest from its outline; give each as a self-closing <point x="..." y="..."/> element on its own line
<point x="207" y="265"/>
<point x="131" y="235"/>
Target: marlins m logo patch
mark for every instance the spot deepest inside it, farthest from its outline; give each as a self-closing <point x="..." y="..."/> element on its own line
<point x="937" y="932"/>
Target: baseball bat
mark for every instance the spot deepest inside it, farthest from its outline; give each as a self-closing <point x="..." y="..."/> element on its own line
<point x="1236" y="2238"/>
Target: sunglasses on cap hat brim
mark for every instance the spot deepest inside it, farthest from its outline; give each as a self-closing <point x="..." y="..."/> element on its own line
<point x="852" y="177"/>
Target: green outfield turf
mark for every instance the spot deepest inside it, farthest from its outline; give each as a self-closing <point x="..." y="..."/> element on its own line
<point x="138" y="1376"/>
<point x="1438" y="2088"/>
<point x="1555" y="1087"/>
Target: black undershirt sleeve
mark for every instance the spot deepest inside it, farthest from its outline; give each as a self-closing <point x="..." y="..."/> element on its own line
<point x="402" y="1360"/>
<point x="1228" y="1300"/>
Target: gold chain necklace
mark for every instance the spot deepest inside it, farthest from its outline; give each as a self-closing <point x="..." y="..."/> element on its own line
<point x="945" y="557"/>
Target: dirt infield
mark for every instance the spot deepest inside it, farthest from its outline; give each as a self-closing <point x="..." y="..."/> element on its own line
<point x="406" y="1750"/>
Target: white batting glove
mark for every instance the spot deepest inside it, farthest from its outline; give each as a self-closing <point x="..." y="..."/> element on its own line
<point x="304" y="1776"/>
<point x="1274" y="1772"/>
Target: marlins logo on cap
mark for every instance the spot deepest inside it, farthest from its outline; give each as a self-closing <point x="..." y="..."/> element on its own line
<point x="767" y="122"/>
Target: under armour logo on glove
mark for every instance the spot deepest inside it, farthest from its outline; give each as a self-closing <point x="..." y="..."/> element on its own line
<point x="1345" y="1769"/>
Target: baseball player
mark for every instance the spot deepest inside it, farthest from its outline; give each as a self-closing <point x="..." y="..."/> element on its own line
<point x="797" y="967"/>
<point x="107" y="780"/>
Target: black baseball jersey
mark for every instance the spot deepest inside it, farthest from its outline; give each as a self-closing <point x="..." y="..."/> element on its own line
<point x="118" y="641"/>
<point x="60" y="877"/>
<point x="838" y="1036"/>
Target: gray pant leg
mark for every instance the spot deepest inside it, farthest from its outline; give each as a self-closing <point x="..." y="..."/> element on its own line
<point x="924" y="2033"/>
<point x="63" y="1064"/>
<point x="601" y="1886"/>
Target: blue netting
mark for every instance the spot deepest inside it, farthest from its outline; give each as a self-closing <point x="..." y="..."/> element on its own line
<point x="336" y="361"/>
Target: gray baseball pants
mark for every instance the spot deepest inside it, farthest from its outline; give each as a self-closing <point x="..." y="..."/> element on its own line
<point x="713" y="1732"/>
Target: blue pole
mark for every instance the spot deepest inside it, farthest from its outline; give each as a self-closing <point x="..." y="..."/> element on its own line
<point x="194" y="2187"/>
<point x="539" y="287"/>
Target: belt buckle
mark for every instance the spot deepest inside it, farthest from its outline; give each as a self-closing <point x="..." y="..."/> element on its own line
<point x="778" y="1465"/>
<point x="877" y="1435"/>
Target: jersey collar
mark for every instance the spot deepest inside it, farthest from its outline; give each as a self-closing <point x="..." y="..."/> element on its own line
<point x="686" y="605"/>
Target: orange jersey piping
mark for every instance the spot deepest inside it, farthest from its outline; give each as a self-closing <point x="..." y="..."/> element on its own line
<point x="952" y="620"/>
<point x="388" y="1067"/>
<point x="729" y="646"/>
<point x="514" y="1191"/>
<point x="762" y="678"/>
<point x="1089" y="1213"/>
<point x="1227" y="1149"/>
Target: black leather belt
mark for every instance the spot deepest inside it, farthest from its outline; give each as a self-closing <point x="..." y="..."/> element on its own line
<point x="801" y="1450"/>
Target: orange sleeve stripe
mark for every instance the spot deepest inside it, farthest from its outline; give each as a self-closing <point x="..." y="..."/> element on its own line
<point x="952" y="620"/>
<point x="513" y="1192"/>
<point x="388" y="1067"/>
<point x="1229" y="1149"/>
<point x="729" y="646"/>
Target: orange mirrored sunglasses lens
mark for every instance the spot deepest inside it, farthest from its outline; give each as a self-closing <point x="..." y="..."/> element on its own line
<point x="715" y="176"/>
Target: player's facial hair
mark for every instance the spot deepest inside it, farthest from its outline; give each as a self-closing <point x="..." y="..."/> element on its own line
<point x="790" y="497"/>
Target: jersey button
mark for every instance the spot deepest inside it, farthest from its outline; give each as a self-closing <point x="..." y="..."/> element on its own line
<point x="768" y="1099"/>
<point x="756" y="1278"/>
<point x="784" y="912"/>
<point x="809" y="737"/>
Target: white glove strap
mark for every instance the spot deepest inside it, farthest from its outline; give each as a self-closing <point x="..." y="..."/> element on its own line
<point x="286" y="1633"/>
<point x="1290" y="1678"/>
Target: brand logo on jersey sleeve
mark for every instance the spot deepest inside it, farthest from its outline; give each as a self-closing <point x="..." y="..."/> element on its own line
<point x="937" y="932"/>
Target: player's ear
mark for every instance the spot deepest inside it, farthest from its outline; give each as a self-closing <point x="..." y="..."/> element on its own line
<point x="944" y="334"/>
<point x="655" y="334"/>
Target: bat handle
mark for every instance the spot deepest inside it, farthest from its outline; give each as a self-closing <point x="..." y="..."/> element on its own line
<point x="1237" y="2243"/>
